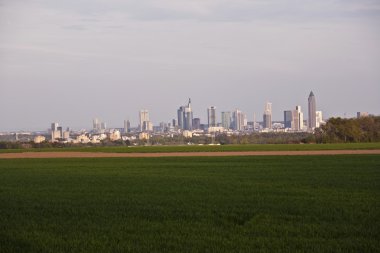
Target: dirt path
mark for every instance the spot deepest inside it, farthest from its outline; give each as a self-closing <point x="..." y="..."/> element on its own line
<point x="182" y="154"/>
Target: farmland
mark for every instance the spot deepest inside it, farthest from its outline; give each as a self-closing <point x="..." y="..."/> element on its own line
<point x="191" y="204"/>
<point x="206" y="148"/>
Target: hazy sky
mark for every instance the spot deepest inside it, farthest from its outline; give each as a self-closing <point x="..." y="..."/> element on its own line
<point x="69" y="61"/>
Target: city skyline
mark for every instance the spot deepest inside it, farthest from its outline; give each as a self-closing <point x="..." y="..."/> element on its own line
<point x="143" y="122"/>
<point x="235" y="120"/>
<point x="71" y="61"/>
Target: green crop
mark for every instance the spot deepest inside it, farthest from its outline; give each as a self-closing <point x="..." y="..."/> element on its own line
<point x="193" y="204"/>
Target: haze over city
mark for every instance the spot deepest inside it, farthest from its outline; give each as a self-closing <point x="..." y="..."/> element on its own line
<point x="70" y="61"/>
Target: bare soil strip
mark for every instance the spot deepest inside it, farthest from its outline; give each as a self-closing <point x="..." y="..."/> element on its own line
<point x="183" y="154"/>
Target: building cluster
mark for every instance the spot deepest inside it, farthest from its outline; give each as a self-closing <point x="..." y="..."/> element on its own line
<point x="95" y="136"/>
<point x="294" y="120"/>
<point x="185" y="118"/>
<point x="145" y="123"/>
<point x="231" y="122"/>
<point x="98" y="125"/>
<point x="57" y="133"/>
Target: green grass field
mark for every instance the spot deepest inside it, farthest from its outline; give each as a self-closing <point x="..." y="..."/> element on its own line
<point x="208" y="204"/>
<point x="206" y="148"/>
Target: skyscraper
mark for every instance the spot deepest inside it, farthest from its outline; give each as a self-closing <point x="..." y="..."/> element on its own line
<point x="300" y="117"/>
<point x="98" y="125"/>
<point x="196" y="123"/>
<point x="144" y="117"/>
<point x="226" y="120"/>
<point x="254" y="125"/>
<point x="185" y="117"/>
<point x="147" y="126"/>
<point x="319" y="118"/>
<point x="95" y="124"/>
<point x="127" y="126"/>
<point x="211" y="116"/>
<point x="56" y="131"/>
<point x="54" y="126"/>
<point x="267" y="116"/>
<point x="181" y="117"/>
<point x="238" y="118"/>
<point x="188" y="117"/>
<point x="60" y="131"/>
<point x="288" y="119"/>
<point x="312" y="108"/>
<point x="297" y="119"/>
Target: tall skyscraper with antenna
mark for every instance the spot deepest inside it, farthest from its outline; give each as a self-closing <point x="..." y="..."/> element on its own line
<point x="312" y="110"/>
<point x="185" y="117"/>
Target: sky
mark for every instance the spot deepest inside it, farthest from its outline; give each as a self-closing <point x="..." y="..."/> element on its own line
<point x="71" y="61"/>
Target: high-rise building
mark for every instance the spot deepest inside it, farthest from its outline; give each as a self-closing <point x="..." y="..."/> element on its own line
<point x="196" y="123"/>
<point x="245" y="121"/>
<point x="267" y="116"/>
<point x="143" y="117"/>
<point x="226" y="120"/>
<point x="95" y="124"/>
<point x="181" y="117"/>
<point x="54" y="126"/>
<point x="254" y="123"/>
<point x="319" y="118"/>
<point x="211" y="116"/>
<point x="56" y="131"/>
<point x="288" y="119"/>
<point x="147" y="126"/>
<point x="297" y="119"/>
<point x="98" y="125"/>
<point x="185" y="117"/>
<point x="127" y="126"/>
<point x="312" y="108"/>
<point x="163" y="126"/>
<point x="300" y="116"/>
<point x="66" y="135"/>
<point x="238" y="118"/>
<point x="188" y="118"/>
<point x="60" y="131"/>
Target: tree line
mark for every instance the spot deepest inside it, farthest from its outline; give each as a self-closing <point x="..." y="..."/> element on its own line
<point x="336" y="130"/>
